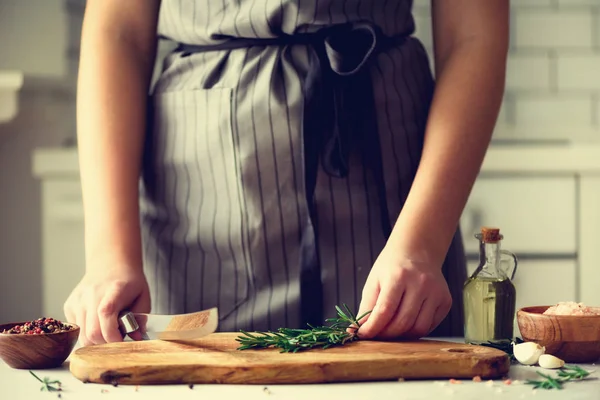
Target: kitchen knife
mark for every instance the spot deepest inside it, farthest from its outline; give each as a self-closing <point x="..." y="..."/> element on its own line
<point x="170" y="327"/>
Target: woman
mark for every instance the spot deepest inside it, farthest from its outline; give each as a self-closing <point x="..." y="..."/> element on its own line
<point x="297" y="156"/>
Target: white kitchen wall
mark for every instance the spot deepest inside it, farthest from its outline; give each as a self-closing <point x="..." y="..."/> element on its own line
<point x="33" y="36"/>
<point x="40" y="38"/>
<point x="553" y="77"/>
<point x="33" y="39"/>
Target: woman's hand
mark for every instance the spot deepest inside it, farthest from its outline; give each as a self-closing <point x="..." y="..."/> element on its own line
<point x="100" y="296"/>
<point x="408" y="299"/>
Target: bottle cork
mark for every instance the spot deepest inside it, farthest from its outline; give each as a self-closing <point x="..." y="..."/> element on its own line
<point x="490" y="235"/>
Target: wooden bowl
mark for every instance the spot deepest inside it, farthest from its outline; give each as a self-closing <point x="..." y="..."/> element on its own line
<point x="42" y="351"/>
<point x="573" y="338"/>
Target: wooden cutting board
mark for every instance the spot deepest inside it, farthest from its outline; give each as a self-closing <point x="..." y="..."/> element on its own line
<point x="215" y="359"/>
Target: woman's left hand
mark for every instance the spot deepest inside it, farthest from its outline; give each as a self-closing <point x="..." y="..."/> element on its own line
<point x="408" y="299"/>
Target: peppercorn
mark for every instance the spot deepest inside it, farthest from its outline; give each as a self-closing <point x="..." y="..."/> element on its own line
<point x="39" y="326"/>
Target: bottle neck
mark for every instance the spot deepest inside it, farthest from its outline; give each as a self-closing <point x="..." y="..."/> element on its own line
<point x="490" y="257"/>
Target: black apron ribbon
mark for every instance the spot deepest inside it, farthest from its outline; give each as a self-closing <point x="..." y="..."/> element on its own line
<point x="339" y="116"/>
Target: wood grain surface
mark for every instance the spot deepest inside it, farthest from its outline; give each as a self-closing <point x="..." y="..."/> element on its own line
<point x="215" y="359"/>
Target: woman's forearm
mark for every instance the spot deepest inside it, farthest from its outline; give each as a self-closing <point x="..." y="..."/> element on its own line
<point x="116" y="61"/>
<point x="466" y="102"/>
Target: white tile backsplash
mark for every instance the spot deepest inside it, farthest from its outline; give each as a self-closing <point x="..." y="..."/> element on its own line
<point x="558" y="110"/>
<point x="596" y="111"/>
<point x="574" y="3"/>
<point x="505" y="110"/>
<point x="528" y="72"/>
<point x="552" y="28"/>
<point x="578" y="71"/>
<point x="423" y="31"/>
<point x="421" y="4"/>
<point x="596" y="29"/>
<point x="553" y="69"/>
<point x="531" y="3"/>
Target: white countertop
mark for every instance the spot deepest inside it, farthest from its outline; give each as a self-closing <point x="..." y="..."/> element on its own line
<point x="582" y="158"/>
<point x="19" y="384"/>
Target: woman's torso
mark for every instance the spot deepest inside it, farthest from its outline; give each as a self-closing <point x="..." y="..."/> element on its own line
<point x="225" y="218"/>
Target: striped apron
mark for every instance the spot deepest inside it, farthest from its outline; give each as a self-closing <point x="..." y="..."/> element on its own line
<point x="283" y="141"/>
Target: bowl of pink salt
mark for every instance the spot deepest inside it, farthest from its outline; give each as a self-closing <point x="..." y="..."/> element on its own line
<point x="567" y="330"/>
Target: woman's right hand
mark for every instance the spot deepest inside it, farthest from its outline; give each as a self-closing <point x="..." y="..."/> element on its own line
<point x="95" y="303"/>
<point x="116" y="63"/>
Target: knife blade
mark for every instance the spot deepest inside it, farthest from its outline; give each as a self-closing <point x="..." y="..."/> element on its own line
<point x="170" y="327"/>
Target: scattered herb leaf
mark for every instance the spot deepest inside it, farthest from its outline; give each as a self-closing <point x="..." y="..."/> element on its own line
<point x="565" y="374"/>
<point x="293" y="340"/>
<point x="47" y="384"/>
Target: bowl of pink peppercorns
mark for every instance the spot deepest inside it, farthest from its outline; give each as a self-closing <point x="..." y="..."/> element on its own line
<point x="38" y="344"/>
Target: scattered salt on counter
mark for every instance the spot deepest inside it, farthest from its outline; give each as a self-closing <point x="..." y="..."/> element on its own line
<point x="490" y="383"/>
<point x="571" y="308"/>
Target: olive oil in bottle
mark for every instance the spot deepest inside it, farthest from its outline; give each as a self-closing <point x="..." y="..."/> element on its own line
<point x="489" y="295"/>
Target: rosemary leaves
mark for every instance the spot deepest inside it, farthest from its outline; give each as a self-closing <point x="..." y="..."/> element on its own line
<point x="565" y="374"/>
<point x="504" y="345"/>
<point x="47" y="384"/>
<point x="293" y="340"/>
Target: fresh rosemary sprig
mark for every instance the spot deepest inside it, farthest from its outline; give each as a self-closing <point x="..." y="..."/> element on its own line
<point x="293" y="340"/>
<point x="565" y="374"/>
<point x="47" y="384"/>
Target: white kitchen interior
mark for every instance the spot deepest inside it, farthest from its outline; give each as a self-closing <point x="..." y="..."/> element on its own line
<point x="540" y="182"/>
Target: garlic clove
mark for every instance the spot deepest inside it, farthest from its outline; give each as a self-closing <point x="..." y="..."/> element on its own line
<point x="528" y="353"/>
<point x="549" y="361"/>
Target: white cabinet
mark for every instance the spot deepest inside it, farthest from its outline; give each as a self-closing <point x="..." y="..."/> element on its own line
<point x="63" y="253"/>
<point x="63" y="243"/>
<point x="536" y="214"/>
<point x="542" y="282"/>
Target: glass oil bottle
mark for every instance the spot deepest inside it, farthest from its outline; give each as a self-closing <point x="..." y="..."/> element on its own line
<point x="489" y="294"/>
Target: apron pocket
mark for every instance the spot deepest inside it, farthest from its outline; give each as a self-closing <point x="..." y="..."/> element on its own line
<point x="195" y="238"/>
